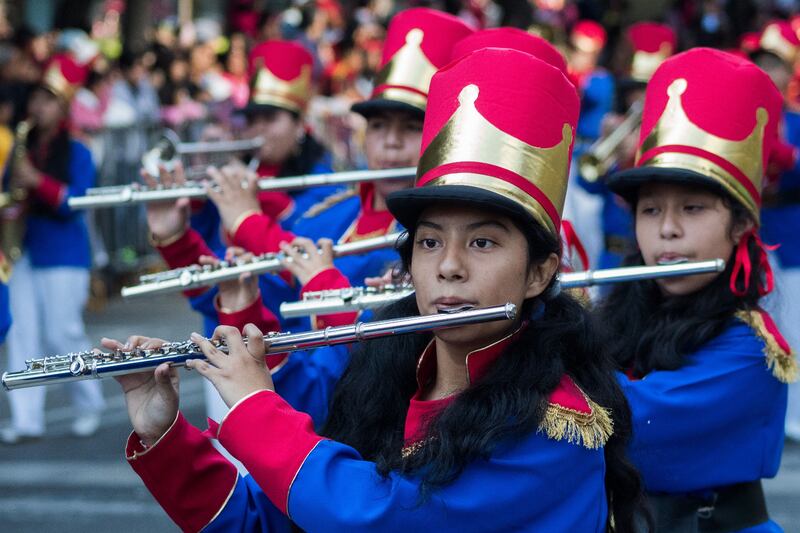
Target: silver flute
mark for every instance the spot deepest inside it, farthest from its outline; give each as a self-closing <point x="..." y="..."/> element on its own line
<point x="138" y="194"/>
<point x="95" y="365"/>
<point x="359" y="298"/>
<point x="194" y="276"/>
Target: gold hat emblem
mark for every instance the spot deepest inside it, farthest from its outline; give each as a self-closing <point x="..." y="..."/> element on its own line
<point x="293" y="95"/>
<point x="468" y="137"/>
<point x="772" y="40"/>
<point x="675" y="129"/>
<point x="408" y="67"/>
<point x="55" y="82"/>
<point x="644" y="64"/>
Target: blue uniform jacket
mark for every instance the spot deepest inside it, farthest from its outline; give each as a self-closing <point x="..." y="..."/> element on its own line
<point x="61" y="238"/>
<point x="716" y="421"/>
<point x="5" y="313"/>
<point x="779" y="224"/>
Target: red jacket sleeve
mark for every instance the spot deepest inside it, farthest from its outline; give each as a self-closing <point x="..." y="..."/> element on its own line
<point x="186" y="475"/>
<point x="329" y="279"/>
<point x="184" y="252"/>
<point x="255" y="313"/>
<point x="260" y="234"/>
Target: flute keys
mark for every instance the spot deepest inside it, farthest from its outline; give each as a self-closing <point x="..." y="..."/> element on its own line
<point x="78" y="366"/>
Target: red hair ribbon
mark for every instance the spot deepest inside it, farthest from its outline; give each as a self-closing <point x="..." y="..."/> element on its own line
<point x="743" y="266"/>
<point x="573" y="242"/>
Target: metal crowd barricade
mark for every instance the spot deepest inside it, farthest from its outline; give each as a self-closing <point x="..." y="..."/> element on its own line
<point x="120" y="235"/>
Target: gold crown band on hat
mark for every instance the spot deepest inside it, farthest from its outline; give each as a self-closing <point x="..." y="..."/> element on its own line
<point x="55" y="82"/>
<point x="407" y="76"/>
<point x="674" y="135"/>
<point x="584" y="43"/>
<point x="644" y="64"/>
<point x="772" y="40"/>
<point x="293" y="95"/>
<point x="468" y="140"/>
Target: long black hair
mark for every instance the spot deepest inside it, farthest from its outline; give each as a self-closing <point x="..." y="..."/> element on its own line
<point x="643" y="330"/>
<point x="53" y="159"/>
<point x="370" y="403"/>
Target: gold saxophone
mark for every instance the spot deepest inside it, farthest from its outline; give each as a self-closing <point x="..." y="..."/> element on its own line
<point x="12" y="201"/>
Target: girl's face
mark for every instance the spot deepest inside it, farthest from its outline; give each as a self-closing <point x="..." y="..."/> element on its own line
<point x="45" y="109"/>
<point x="679" y="223"/>
<point x="281" y="132"/>
<point x="392" y="140"/>
<point x="464" y="257"/>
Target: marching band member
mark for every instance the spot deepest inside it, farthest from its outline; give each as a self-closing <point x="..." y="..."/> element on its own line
<point x="705" y="368"/>
<point x="50" y="282"/>
<point x="650" y="44"/>
<point x="281" y="87"/>
<point x="495" y="426"/>
<point x="777" y="55"/>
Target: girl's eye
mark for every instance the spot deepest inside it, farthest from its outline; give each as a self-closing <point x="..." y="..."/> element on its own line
<point x="694" y="208"/>
<point x="427" y="243"/>
<point x="482" y="243"/>
<point x="648" y="210"/>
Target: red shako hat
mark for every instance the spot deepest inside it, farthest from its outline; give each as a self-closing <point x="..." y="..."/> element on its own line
<point x="588" y="36"/>
<point x="478" y="146"/>
<point x="513" y="38"/>
<point x="651" y="43"/>
<point x="418" y="43"/>
<point x="63" y="76"/>
<point x="780" y="39"/>
<point x="280" y="76"/>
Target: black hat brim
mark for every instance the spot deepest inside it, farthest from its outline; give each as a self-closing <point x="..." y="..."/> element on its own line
<point x="371" y="107"/>
<point x="626" y="183"/>
<point x="407" y="205"/>
<point x="253" y="109"/>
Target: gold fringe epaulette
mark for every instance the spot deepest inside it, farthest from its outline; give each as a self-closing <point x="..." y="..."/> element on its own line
<point x="781" y="358"/>
<point x="590" y="428"/>
<point x="330" y="201"/>
<point x="5" y="269"/>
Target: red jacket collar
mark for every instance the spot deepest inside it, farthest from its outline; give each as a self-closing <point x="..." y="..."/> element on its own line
<point x="478" y="362"/>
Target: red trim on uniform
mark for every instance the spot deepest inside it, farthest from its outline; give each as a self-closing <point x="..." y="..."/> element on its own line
<point x="420" y="414"/>
<point x="186" y="475"/>
<point x="330" y="278"/>
<point x="261" y="234"/>
<point x="277" y="205"/>
<point x="272" y="440"/>
<point x="184" y="252"/>
<point x="714" y="158"/>
<point x="256" y="313"/>
<point x="772" y="329"/>
<point x="51" y="191"/>
<point x="370" y="222"/>
<point x="496" y="172"/>
<point x="568" y="395"/>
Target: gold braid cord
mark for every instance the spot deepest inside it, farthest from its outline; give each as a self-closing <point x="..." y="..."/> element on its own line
<point x="329" y="202"/>
<point x="782" y="363"/>
<point x="591" y="430"/>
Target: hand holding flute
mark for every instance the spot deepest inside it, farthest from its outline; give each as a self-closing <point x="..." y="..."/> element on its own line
<point x="169" y="219"/>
